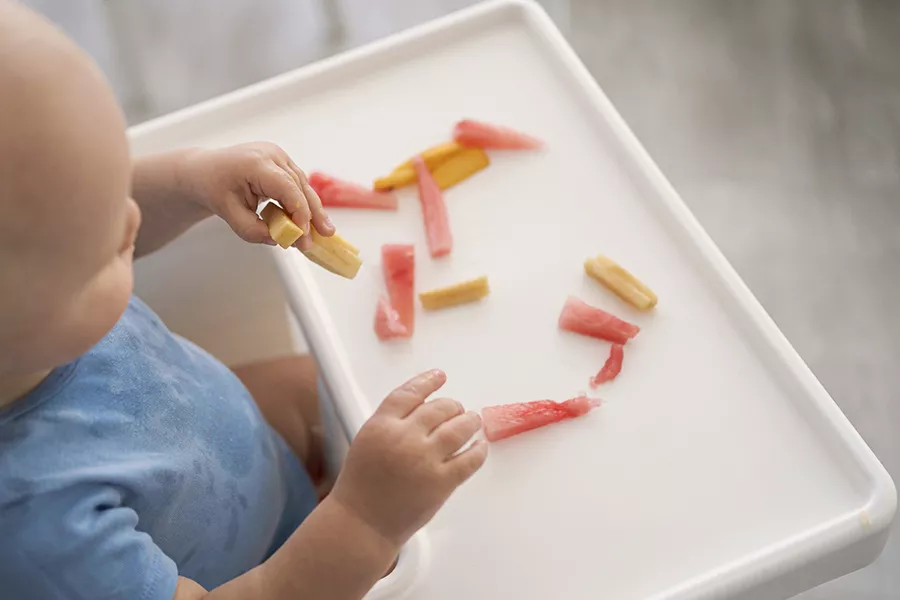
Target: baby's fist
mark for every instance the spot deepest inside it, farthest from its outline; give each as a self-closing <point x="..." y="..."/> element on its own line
<point x="231" y="182"/>
<point x="402" y="466"/>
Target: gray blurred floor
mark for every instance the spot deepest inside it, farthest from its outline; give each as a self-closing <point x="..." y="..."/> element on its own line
<point x="778" y="121"/>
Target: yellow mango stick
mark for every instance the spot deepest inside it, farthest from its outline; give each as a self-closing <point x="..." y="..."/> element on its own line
<point x="436" y="155"/>
<point x="334" y="254"/>
<point x="625" y="285"/>
<point x="460" y="293"/>
<point x="281" y="229"/>
<point x="399" y="178"/>
<point x="460" y="167"/>
<point x="405" y="174"/>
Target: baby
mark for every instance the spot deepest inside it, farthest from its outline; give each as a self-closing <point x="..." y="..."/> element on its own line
<point x="133" y="465"/>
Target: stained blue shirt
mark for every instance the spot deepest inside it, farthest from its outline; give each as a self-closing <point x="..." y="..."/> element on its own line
<point x="142" y="460"/>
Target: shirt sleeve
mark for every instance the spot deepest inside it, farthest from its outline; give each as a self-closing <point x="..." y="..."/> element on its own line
<point x="80" y="543"/>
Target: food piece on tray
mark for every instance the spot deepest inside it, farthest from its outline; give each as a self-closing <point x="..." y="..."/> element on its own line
<point x="405" y="174"/>
<point x="611" y="367"/>
<point x="507" y="420"/>
<point x="399" y="268"/>
<point x="334" y="254"/>
<point x="388" y="325"/>
<point x="435" y="156"/>
<point x="337" y="193"/>
<point x="460" y="167"/>
<point x="625" y="285"/>
<point x="582" y="318"/>
<point x="460" y="293"/>
<point x="434" y="212"/>
<point x="401" y="177"/>
<point x="281" y="229"/>
<point x="477" y="134"/>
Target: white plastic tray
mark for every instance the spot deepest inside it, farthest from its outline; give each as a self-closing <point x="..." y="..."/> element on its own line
<point x="719" y="468"/>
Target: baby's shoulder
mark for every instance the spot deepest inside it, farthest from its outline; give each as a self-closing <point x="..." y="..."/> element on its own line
<point x="141" y="392"/>
<point x="137" y="367"/>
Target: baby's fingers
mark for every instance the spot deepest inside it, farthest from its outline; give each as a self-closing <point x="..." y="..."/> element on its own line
<point x="245" y="223"/>
<point x="465" y="464"/>
<point x="319" y="216"/>
<point x="277" y="183"/>
<point x="406" y="398"/>
<point x="431" y="414"/>
<point x="304" y="242"/>
<point x="452" y="435"/>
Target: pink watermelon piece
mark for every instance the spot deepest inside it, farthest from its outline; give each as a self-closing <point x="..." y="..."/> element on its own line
<point x="434" y="211"/>
<point x="484" y="135"/>
<point x="399" y="267"/>
<point x="507" y="420"/>
<point x="337" y="193"/>
<point x="387" y="322"/>
<point x="582" y="318"/>
<point x="612" y="367"/>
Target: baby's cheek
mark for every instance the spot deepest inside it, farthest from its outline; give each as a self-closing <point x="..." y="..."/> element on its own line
<point x="99" y="308"/>
<point x="117" y="294"/>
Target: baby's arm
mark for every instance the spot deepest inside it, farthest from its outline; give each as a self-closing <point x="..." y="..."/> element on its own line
<point x="331" y="555"/>
<point x="177" y="189"/>
<point x="401" y="468"/>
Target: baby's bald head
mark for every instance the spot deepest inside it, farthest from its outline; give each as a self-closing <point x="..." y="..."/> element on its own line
<point x="64" y="208"/>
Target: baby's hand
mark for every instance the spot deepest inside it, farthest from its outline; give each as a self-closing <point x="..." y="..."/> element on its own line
<point x="401" y="467"/>
<point x="231" y="181"/>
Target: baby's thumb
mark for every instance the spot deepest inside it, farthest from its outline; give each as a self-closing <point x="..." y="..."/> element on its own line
<point x="246" y="224"/>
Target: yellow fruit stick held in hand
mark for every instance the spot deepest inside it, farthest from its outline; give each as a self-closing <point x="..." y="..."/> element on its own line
<point x="281" y="229"/>
<point x="625" y="285"/>
<point x="333" y="253"/>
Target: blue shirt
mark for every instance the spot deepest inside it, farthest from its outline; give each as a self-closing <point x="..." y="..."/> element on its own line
<point x="143" y="460"/>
